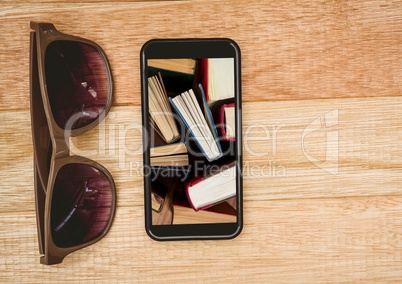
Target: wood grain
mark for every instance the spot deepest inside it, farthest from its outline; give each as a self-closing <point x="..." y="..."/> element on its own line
<point x="295" y="240"/>
<point x="321" y="127"/>
<point x="318" y="49"/>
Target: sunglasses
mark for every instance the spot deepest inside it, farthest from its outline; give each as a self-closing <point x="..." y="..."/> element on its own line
<point x="71" y="92"/>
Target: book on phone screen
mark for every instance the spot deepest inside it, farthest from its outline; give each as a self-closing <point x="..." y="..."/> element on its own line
<point x="200" y="124"/>
<point x="227" y="122"/>
<point x="217" y="77"/>
<point x="219" y="186"/>
<point x="161" y="115"/>
<point x="174" y="154"/>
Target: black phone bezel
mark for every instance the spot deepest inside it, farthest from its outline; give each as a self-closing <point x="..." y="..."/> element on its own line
<point x="192" y="48"/>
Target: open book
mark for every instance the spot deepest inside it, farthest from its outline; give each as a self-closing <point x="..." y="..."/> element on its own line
<point x="161" y="116"/>
<point x="200" y="125"/>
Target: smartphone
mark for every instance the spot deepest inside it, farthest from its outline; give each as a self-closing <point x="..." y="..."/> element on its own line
<point x="191" y="115"/>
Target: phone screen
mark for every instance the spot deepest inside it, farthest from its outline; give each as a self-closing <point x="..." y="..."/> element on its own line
<point x="192" y="162"/>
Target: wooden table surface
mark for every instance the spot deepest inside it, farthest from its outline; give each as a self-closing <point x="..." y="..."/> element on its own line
<point x="322" y="126"/>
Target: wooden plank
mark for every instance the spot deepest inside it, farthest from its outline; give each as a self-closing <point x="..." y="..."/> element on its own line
<point x="117" y="2"/>
<point x="309" y="240"/>
<point x="278" y="162"/>
<point x="321" y="87"/>
<point x="289" y="50"/>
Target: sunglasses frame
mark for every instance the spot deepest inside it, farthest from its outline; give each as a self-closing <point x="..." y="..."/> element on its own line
<point x="44" y="178"/>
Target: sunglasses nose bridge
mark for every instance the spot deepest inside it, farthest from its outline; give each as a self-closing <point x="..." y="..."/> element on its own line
<point x="61" y="144"/>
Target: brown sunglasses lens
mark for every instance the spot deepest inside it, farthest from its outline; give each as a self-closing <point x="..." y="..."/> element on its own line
<point x="81" y="205"/>
<point x="77" y="83"/>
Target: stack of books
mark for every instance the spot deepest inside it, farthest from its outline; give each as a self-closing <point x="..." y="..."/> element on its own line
<point x="192" y="118"/>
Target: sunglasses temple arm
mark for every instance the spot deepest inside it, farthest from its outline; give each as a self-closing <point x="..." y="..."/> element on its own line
<point x="40" y="198"/>
<point x="40" y="190"/>
<point x="41" y="26"/>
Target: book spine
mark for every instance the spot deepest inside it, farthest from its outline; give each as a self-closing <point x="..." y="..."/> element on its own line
<point x="203" y="73"/>
<point x="222" y="123"/>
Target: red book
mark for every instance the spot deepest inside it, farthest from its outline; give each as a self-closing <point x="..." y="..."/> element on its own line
<point x="216" y="77"/>
<point x="183" y="213"/>
<point x="227" y="122"/>
<point x="203" y="75"/>
<point x="203" y="193"/>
